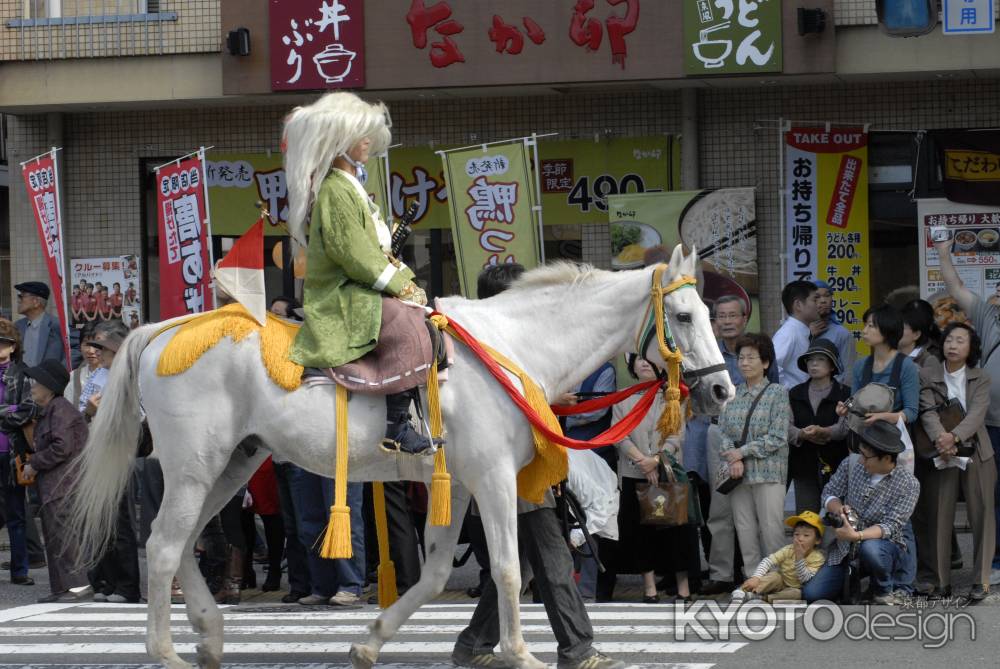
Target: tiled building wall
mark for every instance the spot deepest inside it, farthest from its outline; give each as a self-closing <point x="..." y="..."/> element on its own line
<point x="854" y="12"/>
<point x="738" y="146"/>
<point x="197" y="29"/>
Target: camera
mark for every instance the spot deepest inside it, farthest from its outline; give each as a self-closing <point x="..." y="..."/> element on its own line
<point x="835" y="520"/>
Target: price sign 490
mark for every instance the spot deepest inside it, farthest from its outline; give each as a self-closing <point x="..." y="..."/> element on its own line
<point x="41" y="179"/>
<point x="584" y="197"/>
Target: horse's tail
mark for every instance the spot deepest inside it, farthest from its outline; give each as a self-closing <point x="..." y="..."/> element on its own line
<point x="104" y="468"/>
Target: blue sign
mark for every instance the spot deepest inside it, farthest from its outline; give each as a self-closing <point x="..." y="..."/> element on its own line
<point x="964" y="17"/>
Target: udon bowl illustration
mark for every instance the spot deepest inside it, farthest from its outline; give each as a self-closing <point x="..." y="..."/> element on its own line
<point x="334" y="63"/>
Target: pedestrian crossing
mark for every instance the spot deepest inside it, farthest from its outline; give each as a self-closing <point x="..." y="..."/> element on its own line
<point x="97" y="635"/>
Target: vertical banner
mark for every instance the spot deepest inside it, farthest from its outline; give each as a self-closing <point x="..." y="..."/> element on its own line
<point x="182" y="221"/>
<point x="41" y="177"/>
<point x="975" y="252"/>
<point x="491" y="196"/>
<point x="826" y="214"/>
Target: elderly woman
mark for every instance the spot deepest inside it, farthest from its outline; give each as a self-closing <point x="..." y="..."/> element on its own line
<point x="349" y="267"/>
<point x="761" y="412"/>
<point x="646" y="549"/>
<point x="60" y="436"/>
<point x="13" y="416"/>
<point x="959" y="380"/>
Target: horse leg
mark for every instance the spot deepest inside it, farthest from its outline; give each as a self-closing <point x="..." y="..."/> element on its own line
<point x="498" y="508"/>
<point x="203" y="613"/>
<point x="170" y="538"/>
<point x="441" y="542"/>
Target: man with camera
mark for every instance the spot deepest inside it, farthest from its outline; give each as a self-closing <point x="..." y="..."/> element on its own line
<point x="869" y="501"/>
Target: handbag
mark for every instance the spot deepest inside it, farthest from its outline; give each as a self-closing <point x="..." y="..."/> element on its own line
<point x="664" y="504"/>
<point x="951" y="413"/>
<point x="724" y="483"/>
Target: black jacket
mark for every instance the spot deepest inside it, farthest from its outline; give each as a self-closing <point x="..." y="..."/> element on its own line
<point x="16" y="407"/>
<point x="806" y="459"/>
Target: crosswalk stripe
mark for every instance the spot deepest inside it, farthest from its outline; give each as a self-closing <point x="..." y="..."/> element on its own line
<point x="288" y="630"/>
<point x="329" y="665"/>
<point x="423" y="648"/>
<point x="348" y="616"/>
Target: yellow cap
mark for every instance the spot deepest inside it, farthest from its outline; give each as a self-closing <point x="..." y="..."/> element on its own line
<point x="809" y="518"/>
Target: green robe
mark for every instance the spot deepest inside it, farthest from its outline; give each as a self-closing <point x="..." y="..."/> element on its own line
<point x="346" y="274"/>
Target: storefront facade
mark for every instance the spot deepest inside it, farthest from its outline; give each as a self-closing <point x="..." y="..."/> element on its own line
<point x="728" y="128"/>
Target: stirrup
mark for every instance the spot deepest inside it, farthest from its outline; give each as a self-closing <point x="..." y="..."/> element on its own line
<point x="394" y="447"/>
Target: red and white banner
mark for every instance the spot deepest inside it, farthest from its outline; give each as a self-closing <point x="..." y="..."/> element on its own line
<point x="182" y="221"/>
<point x="41" y="176"/>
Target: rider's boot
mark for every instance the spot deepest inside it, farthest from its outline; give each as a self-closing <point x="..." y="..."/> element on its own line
<point x="399" y="433"/>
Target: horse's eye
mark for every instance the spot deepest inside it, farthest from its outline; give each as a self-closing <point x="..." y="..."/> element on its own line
<point x="684" y="318"/>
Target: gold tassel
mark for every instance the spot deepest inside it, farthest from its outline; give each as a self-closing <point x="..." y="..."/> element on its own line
<point x="670" y="419"/>
<point x="387" y="593"/>
<point x="337" y="542"/>
<point x="441" y="479"/>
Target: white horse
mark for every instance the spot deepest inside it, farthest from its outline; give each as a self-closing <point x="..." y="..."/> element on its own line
<point x="557" y="322"/>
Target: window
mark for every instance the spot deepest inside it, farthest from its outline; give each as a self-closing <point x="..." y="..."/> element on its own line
<point x="42" y="9"/>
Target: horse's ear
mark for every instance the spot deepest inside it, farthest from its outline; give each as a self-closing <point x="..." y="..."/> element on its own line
<point x="691" y="262"/>
<point x="676" y="263"/>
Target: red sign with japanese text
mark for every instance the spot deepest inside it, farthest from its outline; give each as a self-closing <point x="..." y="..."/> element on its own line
<point x="185" y="286"/>
<point x="317" y="44"/>
<point x="43" y="193"/>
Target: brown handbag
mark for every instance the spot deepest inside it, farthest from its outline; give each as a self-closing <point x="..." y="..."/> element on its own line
<point x="664" y="504"/>
<point x="19" y="462"/>
<point x="951" y="413"/>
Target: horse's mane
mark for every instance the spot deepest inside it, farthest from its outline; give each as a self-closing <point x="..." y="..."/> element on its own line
<point x="558" y="273"/>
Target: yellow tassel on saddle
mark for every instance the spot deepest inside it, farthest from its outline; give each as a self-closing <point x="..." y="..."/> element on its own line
<point x="387" y="593"/>
<point x="337" y="542"/>
<point x="441" y="479"/>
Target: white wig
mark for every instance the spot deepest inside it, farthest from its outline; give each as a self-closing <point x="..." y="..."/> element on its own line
<point x="315" y="135"/>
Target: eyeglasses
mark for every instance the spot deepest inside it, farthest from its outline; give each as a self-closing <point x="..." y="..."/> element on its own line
<point x="868" y="457"/>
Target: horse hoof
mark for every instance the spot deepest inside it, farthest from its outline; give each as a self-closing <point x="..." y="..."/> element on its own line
<point x="362" y="657"/>
<point x="175" y="662"/>
<point x="207" y="659"/>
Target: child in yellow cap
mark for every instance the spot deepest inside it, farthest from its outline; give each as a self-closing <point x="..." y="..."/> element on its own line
<point x="780" y="575"/>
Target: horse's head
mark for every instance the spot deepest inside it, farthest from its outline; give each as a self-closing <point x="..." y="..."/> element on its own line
<point x="689" y="327"/>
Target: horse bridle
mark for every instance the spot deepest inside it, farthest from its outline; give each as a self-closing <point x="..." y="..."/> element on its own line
<point x="647" y="331"/>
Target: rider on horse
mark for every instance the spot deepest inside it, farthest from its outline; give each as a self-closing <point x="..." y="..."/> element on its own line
<point x="348" y="264"/>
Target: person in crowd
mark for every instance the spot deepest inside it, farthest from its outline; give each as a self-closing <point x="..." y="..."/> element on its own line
<point x="295" y="552"/>
<point x="14" y="386"/>
<point x="701" y="446"/>
<point x="960" y="380"/>
<point x="90" y="376"/>
<point x="645" y="549"/>
<point x="921" y="341"/>
<point x="263" y="487"/>
<point x="40" y="332"/>
<point x="336" y="582"/>
<point x="818" y="436"/>
<point x="829" y="327"/>
<point x="541" y="545"/>
<point x="780" y="576"/>
<point x="883" y="496"/>
<point x="115" y="578"/>
<point x="59" y="437"/>
<point x="985" y="318"/>
<point x="792" y="338"/>
<point x="921" y="338"/>
<point x="349" y="268"/>
<point x="760" y="409"/>
<point x="886" y="365"/>
<point x="287" y="307"/>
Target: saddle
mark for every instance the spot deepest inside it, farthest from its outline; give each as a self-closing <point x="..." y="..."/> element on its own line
<point x="408" y="344"/>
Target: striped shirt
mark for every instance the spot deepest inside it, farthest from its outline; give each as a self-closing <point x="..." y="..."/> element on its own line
<point x="765" y="453"/>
